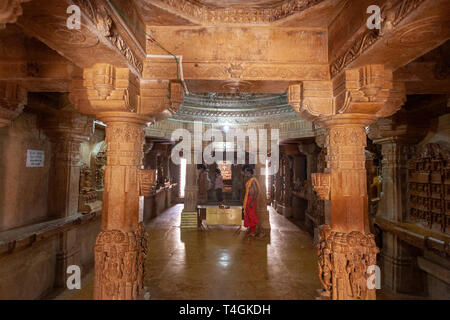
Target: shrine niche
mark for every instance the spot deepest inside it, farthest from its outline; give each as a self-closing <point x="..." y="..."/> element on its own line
<point x="226" y="170"/>
<point x="429" y="187"/>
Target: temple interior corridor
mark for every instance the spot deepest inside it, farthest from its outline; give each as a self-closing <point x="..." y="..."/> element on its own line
<point x="220" y="264"/>
<point x="137" y="136"/>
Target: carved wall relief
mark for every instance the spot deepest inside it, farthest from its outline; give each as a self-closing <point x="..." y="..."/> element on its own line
<point x="119" y="264"/>
<point x="429" y="187"/>
<point x="343" y="262"/>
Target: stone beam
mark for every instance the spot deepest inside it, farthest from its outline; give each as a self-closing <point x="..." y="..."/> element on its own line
<point x="32" y="64"/>
<point x="244" y="55"/>
<point x="410" y="28"/>
<point x="126" y="105"/>
<point x="103" y="36"/>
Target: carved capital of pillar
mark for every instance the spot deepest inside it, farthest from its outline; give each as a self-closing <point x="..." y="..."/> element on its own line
<point x="119" y="264"/>
<point x="107" y="88"/>
<point x="67" y="129"/>
<point x="10" y="10"/>
<point x="344" y="259"/>
<point x="367" y="91"/>
<point x="12" y="101"/>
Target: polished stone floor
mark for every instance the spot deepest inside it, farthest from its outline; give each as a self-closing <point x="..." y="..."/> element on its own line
<point x="222" y="264"/>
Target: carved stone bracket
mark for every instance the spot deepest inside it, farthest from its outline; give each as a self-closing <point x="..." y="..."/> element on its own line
<point x="102" y="19"/>
<point x="119" y="264"/>
<point x="369" y="90"/>
<point x="107" y="88"/>
<point x="344" y="259"/>
<point x="10" y="10"/>
<point x="104" y="88"/>
<point x="321" y="183"/>
<point x="12" y="101"/>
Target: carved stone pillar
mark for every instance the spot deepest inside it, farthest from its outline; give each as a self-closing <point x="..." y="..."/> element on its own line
<point x="12" y="101"/>
<point x="261" y="209"/>
<point x="346" y="248"/>
<point x="66" y="129"/>
<point x="118" y="98"/>
<point x="121" y="245"/>
<point x="397" y="135"/>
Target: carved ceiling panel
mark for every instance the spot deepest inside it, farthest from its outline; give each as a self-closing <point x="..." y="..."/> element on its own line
<point x="238" y="108"/>
<point x="239" y="3"/>
<point x="233" y="11"/>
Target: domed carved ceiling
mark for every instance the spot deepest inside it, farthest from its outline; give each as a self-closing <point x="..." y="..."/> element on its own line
<point x="235" y="108"/>
<point x="239" y="3"/>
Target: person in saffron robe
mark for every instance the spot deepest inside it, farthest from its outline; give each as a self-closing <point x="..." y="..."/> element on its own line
<point x="252" y="190"/>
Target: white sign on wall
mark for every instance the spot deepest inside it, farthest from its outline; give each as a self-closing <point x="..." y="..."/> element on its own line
<point x="35" y="158"/>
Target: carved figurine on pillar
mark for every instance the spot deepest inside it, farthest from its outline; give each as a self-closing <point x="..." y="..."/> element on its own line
<point x="357" y="98"/>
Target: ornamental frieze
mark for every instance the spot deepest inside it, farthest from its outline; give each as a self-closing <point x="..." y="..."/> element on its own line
<point x="239" y="15"/>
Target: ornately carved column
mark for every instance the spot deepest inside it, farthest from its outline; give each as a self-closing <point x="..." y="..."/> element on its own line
<point x="346" y="248"/>
<point x="121" y="245"/>
<point x="66" y="129"/>
<point x="118" y="98"/>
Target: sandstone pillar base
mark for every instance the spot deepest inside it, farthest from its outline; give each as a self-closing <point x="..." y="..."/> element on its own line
<point x="119" y="264"/>
<point x="344" y="259"/>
